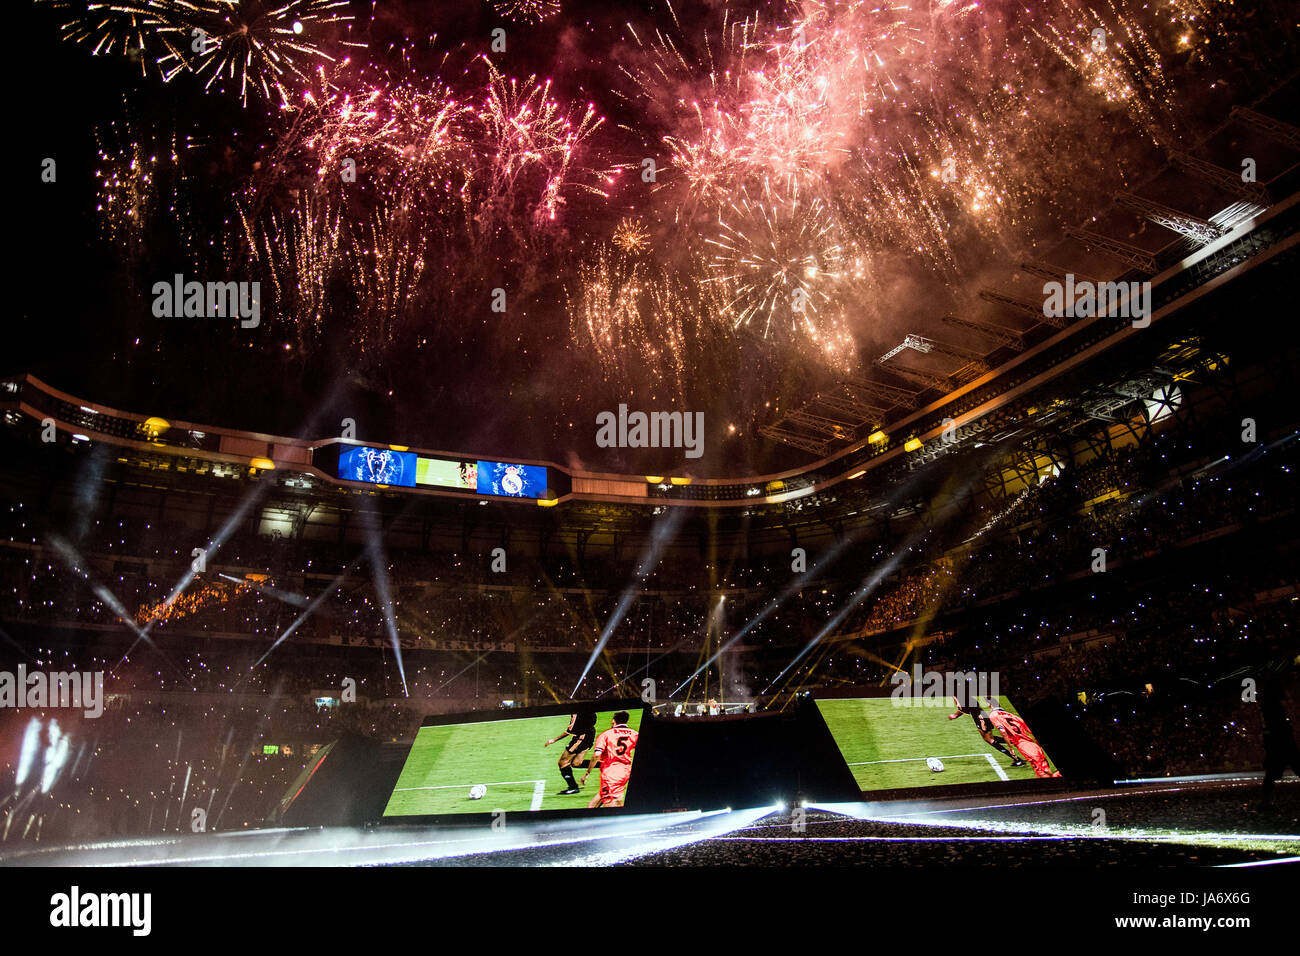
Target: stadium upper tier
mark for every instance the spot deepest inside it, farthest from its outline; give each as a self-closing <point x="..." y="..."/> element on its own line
<point x="1023" y="393"/>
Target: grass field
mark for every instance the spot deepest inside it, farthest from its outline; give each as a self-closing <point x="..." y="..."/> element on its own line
<point x="507" y="756"/>
<point x="885" y="745"/>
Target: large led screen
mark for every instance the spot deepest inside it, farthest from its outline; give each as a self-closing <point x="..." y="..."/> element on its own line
<point x="896" y="742"/>
<point x="447" y="474"/>
<point x="518" y="481"/>
<point x="506" y="764"/>
<point x="380" y="466"/>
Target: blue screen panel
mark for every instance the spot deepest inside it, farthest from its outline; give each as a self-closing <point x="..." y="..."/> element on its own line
<point x="516" y="481"/>
<point x="380" y="466"/>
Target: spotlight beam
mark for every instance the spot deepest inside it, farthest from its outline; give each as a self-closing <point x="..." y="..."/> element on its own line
<point x="770" y="608"/>
<point x="874" y="580"/>
<point x="659" y="538"/>
<point x="219" y="539"/>
<point x="311" y="608"/>
<point x="379" y="575"/>
<point x="866" y="590"/>
<point x="288" y="597"/>
<point x="73" y="560"/>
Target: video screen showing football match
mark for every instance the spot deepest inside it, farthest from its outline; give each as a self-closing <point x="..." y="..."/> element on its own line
<point x="564" y="761"/>
<point x="893" y="743"/>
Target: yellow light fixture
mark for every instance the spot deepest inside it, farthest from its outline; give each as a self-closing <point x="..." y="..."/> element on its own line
<point x="265" y="464"/>
<point x="877" y="437"/>
<point x="680" y="481"/>
<point x="654" y="479"/>
<point x="913" y="444"/>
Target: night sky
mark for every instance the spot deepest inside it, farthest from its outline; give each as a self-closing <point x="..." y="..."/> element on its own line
<point x="829" y="177"/>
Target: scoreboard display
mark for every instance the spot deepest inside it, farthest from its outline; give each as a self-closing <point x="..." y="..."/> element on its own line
<point x="387" y="466"/>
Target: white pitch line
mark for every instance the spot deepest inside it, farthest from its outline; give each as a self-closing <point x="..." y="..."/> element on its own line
<point x="537" y="784"/>
<point x="1281" y="859"/>
<point x="863" y="763"/>
<point x="997" y="767"/>
<point x="539" y="791"/>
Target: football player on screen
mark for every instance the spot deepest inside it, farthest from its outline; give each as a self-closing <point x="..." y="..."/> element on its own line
<point x="613" y="755"/>
<point x="582" y="728"/>
<point x="1022" y="738"/>
<point x="985" y="726"/>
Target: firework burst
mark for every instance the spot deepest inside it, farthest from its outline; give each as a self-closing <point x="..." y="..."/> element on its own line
<point x="1117" y="61"/>
<point x="631" y="237"/>
<point x="145" y="190"/>
<point x="142" y="30"/>
<point x="606" y="312"/>
<point x="257" y="47"/>
<point x="630" y="315"/>
<point x="779" y="260"/>
<point x="403" y="140"/>
<point x="387" y="266"/>
<point x="875" y="131"/>
<point x="127" y="190"/>
<point x="303" y="252"/>
<point x="530" y="145"/>
<point x="813" y="158"/>
<point x="526" y="11"/>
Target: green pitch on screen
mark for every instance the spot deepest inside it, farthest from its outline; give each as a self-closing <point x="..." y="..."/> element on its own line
<point x="885" y="745"/>
<point x="506" y="756"/>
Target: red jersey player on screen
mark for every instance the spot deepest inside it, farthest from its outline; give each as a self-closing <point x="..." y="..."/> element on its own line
<point x="1019" y="736"/>
<point x="613" y="754"/>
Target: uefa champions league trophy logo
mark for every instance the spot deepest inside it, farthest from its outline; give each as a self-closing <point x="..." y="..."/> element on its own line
<point x="382" y="466"/>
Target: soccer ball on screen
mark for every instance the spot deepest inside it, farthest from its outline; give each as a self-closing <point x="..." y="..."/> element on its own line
<point x="477" y="792"/>
<point x="935" y="764"/>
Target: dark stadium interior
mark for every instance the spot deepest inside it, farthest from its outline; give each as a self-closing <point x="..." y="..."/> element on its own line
<point x="1102" y="512"/>
<point x="1201" y="583"/>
